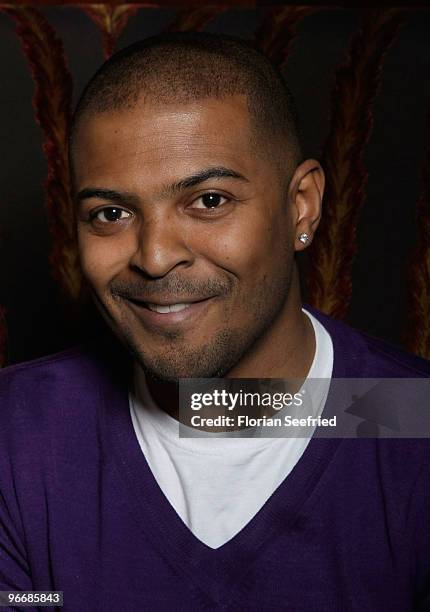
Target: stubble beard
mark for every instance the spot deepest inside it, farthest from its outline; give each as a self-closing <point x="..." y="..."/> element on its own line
<point x="224" y="350"/>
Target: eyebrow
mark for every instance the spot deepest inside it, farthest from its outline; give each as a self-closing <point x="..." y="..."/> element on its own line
<point x="185" y="183"/>
<point x="205" y="175"/>
<point x="105" y="194"/>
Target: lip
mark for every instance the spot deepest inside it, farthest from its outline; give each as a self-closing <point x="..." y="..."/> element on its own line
<point x="169" y="319"/>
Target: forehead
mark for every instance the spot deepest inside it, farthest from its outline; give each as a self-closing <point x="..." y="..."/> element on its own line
<point x="151" y="140"/>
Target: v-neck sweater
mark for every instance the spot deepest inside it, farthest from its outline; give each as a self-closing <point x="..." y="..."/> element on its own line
<point x="81" y="512"/>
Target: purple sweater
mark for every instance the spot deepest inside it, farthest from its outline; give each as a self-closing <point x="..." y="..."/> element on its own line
<point x="80" y="511"/>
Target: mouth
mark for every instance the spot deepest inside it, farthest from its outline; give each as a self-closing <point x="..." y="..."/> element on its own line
<point x="165" y="308"/>
<point x="169" y="313"/>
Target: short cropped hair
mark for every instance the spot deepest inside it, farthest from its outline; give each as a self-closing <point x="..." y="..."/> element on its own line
<point x="187" y="66"/>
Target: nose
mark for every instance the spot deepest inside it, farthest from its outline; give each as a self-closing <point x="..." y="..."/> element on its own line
<point x="161" y="246"/>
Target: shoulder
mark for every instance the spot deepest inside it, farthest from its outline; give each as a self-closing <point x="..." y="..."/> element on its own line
<point x="401" y="459"/>
<point x="52" y="414"/>
<point x="358" y="354"/>
<point x="34" y="392"/>
<point x="397" y="359"/>
<point x="53" y="386"/>
<point x="52" y="426"/>
<point x="56" y="362"/>
<point x="40" y="375"/>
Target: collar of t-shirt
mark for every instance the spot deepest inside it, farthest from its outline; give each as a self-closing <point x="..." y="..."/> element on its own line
<point x="217" y="484"/>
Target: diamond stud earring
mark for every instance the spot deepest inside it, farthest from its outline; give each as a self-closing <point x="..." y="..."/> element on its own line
<point x="303" y="238"/>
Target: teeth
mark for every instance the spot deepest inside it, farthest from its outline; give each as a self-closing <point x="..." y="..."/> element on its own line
<point x="169" y="308"/>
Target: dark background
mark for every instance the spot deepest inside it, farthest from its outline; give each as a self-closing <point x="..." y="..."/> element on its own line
<point x="38" y="316"/>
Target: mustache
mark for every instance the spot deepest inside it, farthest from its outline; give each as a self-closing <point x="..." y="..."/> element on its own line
<point x="168" y="286"/>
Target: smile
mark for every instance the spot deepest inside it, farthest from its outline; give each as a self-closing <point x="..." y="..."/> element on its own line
<point x="169" y="315"/>
<point x="164" y="309"/>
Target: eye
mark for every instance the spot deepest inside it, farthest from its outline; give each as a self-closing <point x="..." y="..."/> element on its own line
<point x="110" y="214"/>
<point x="209" y="200"/>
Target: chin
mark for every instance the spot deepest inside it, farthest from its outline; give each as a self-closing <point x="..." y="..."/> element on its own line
<point x="166" y="372"/>
<point x="174" y="364"/>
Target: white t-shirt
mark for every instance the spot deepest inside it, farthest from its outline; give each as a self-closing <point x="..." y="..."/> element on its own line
<point x="217" y="485"/>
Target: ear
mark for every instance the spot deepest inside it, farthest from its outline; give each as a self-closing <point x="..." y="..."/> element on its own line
<point x="305" y="195"/>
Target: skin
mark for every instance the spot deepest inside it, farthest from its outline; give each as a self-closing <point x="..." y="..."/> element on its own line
<point x="142" y="240"/>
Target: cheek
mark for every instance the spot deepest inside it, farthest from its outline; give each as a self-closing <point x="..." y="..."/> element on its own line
<point x="102" y="258"/>
<point x="251" y="249"/>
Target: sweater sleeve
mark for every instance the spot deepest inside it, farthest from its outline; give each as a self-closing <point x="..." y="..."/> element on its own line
<point x="14" y="569"/>
<point x="15" y="572"/>
<point x="421" y="526"/>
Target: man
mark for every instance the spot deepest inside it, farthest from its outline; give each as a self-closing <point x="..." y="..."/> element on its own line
<point x="192" y="198"/>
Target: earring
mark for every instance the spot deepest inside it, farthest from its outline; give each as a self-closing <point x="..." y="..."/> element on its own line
<point x="303" y="238"/>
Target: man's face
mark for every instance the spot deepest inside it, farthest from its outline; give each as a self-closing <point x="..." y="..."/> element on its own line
<point x="185" y="232"/>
